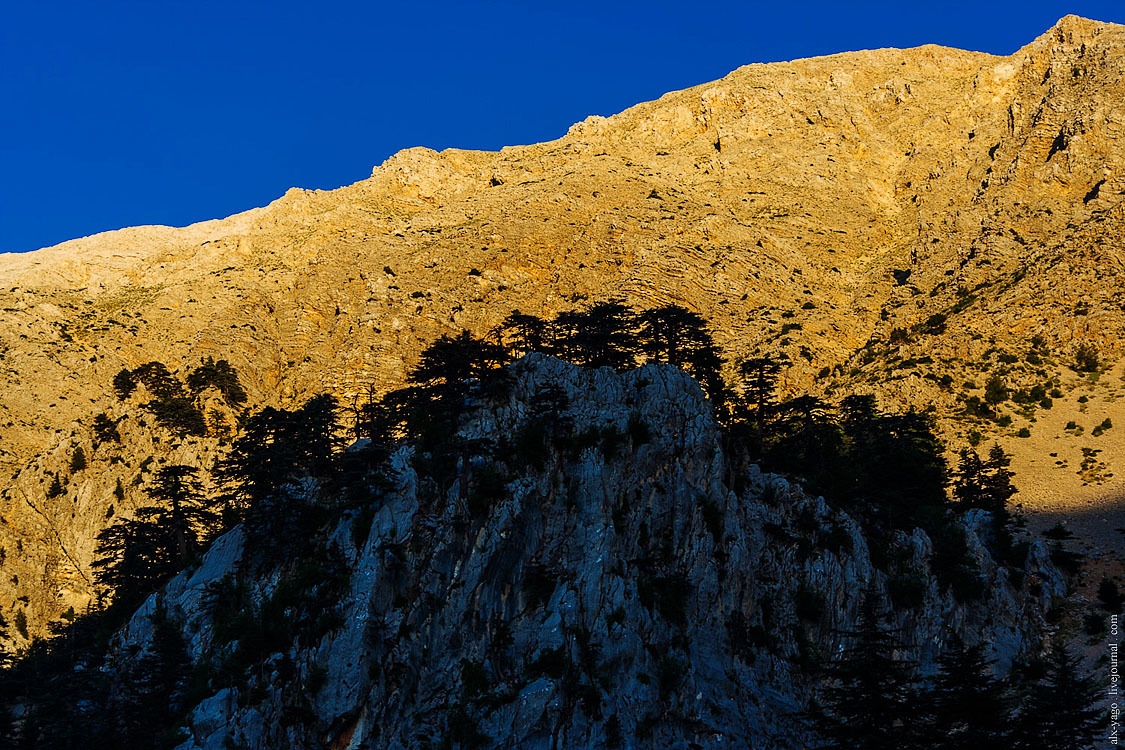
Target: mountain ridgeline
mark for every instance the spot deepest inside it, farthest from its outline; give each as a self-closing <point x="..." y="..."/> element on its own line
<point x="304" y="477"/>
<point x="935" y="227"/>
<point x="558" y="537"/>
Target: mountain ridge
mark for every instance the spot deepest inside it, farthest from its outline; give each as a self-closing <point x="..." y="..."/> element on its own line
<point x="817" y="182"/>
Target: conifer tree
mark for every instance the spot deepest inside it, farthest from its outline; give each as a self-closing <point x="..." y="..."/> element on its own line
<point x="869" y="701"/>
<point x="969" y="486"/>
<point x="78" y="460"/>
<point x="221" y="375"/>
<point x="969" y="706"/>
<point x="266" y="463"/>
<point x="1061" y="712"/>
<point x="679" y="337"/>
<point x="524" y="333"/>
<point x="136" y="554"/>
<point x="602" y="335"/>
<point x="759" y="386"/>
<point x="149" y="702"/>
<point x="998" y="487"/>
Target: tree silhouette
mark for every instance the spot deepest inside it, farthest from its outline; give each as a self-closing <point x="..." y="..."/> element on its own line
<point x="105" y="429"/>
<point x="969" y="482"/>
<point x="265" y="468"/>
<point x="758" y="378"/>
<point x="221" y="375"/>
<point x="602" y="335"/>
<point x="868" y="703"/>
<point x="1061" y="712"/>
<point x="135" y="555"/>
<point x="970" y="708"/>
<point x="997" y="484"/>
<point x="524" y="333"/>
<point x="78" y="460"/>
<point x="679" y="337"/>
<point x="805" y="439"/>
<point x="149" y="701"/>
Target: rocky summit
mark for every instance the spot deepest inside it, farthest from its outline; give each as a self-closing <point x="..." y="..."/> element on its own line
<point x="938" y="229"/>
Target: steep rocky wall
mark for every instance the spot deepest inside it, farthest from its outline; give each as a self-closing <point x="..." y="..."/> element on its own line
<point x="621" y="588"/>
<point x="783" y="202"/>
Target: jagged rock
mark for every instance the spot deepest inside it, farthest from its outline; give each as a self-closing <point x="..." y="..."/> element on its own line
<point x="594" y="587"/>
<point x="811" y="182"/>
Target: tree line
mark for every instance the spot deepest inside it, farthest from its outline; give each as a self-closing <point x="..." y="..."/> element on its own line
<point x="287" y="475"/>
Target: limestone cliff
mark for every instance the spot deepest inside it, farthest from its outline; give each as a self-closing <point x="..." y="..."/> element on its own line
<point x="610" y="596"/>
<point x="808" y="209"/>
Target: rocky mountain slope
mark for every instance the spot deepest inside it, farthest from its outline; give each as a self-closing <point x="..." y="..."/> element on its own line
<point x="823" y="211"/>
<point x="617" y="593"/>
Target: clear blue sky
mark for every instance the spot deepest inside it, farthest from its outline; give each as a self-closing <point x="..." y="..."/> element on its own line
<point x="166" y="112"/>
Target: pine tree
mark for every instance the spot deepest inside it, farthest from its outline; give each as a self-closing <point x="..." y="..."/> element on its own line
<point x="679" y="337"/>
<point x="264" y="469"/>
<point x="602" y="335"/>
<point x="1060" y="713"/>
<point x="969" y="484"/>
<point x="524" y="333"/>
<point x="188" y="515"/>
<point x="150" y="700"/>
<point x="105" y="429"/>
<point x="970" y="708"/>
<point x="55" y="488"/>
<point x="998" y="487"/>
<point x="78" y="460"/>
<point x="759" y="386"/>
<point x="220" y="375"/>
<point x="136" y="555"/>
<point x="869" y="701"/>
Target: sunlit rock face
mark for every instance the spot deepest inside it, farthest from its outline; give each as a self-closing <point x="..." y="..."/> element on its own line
<point x="807" y="209"/>
<point x="616" y="587"/>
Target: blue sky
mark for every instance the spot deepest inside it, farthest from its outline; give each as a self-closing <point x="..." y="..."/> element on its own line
<point x="121" y="113"/>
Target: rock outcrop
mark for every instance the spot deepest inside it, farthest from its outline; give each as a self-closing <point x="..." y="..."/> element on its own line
<point x="902" y="222"/>
<point x="618" y="590"/>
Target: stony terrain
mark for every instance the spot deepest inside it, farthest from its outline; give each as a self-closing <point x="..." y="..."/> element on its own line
<point x="598" y="598"/>
<point x="808" y="209"/>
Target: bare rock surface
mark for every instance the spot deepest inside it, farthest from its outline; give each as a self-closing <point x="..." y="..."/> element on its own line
<point x="594" y="597"/>
<point x="808" y="209"/>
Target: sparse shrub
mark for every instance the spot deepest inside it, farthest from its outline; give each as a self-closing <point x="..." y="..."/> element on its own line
<point x="995" y="391"/>
<point x="1058" y="532"/>
<point x="551" y="662"/>
<point x="808" y="604"/>
<point x="1023" y="433"/>
<point x="1086" y="357"/>
<point x="1065" y="560"/>
<point x="670" y="673"/>
<point x="1105" y="425"/>
<point x="1110" y="595"/>
<point x="1094" y="623"/>
<point x="836" y="540"/>
<point x="639" y="433"/>
<point x="474" y="678"/>
<point x="712" y="518"/>
<point x="667" y="595"/>
<point x="77" y="460"/>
